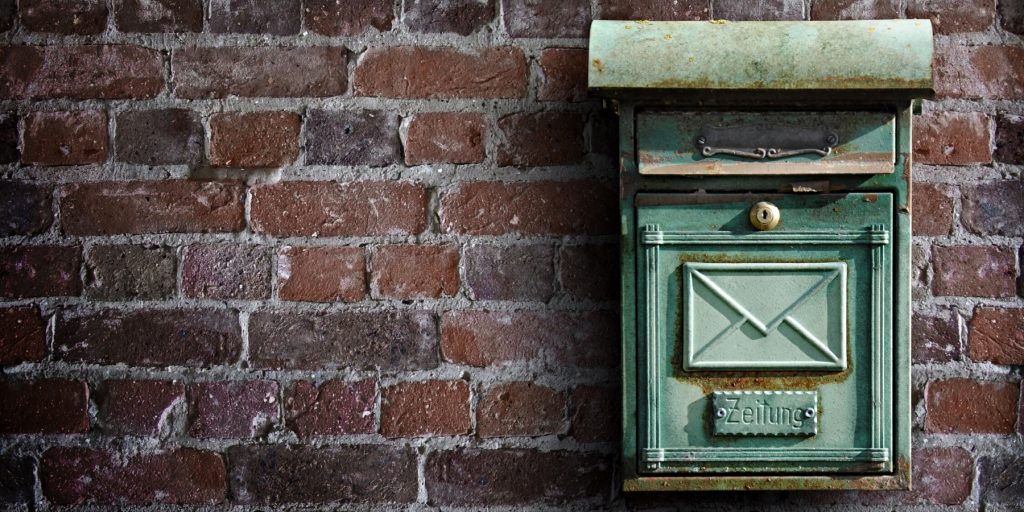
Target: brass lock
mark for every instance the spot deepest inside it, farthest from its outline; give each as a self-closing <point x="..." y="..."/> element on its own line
<point x="765" y="216"/>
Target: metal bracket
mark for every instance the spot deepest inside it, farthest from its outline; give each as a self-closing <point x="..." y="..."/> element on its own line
<point x="761" y="142"/>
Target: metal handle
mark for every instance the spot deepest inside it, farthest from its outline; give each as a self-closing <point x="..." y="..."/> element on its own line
<point x="765" y="141"/>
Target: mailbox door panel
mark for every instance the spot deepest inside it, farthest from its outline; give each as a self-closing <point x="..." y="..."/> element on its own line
<point x="764" y="351"/>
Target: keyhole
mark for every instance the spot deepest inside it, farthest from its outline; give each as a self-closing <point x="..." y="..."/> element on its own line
<point x="764" y="215"/>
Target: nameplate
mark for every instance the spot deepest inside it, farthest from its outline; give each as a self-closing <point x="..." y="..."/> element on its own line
<point x="764" y="413"/>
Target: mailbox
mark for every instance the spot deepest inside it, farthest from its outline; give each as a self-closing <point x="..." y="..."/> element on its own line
<point x="765" y="233"/>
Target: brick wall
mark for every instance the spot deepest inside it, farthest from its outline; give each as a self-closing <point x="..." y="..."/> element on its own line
<point x="257" y="254"/>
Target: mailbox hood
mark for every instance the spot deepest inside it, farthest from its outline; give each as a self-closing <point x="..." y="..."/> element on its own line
<point x="891" y="58"/>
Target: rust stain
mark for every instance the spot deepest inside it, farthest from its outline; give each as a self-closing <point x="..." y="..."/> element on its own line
<point x="598" y="65"/>
<point x="870" y="198"/>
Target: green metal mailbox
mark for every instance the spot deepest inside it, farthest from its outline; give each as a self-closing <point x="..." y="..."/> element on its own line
<point x="765" y="233"/>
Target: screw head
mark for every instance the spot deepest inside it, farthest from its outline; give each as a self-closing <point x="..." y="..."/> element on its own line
<point x="809" y="413"/>
<point x="831" y="139"/>
<point x="720" y="413"/>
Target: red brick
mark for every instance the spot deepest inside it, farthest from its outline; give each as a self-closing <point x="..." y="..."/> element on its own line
<point x="75" y="476"/>
<point x="562" y="133"/>
<point x="333" y="408"/>
<point x="520" y="409"/>
<point x="137" y="407"/>
<point x="594" y="414"/>
<point x="518" y="272"/>
<point x="280" y="17"/>
<point x="942" y="476"/>
<point x="226" y="271"/>
<point x="173" y="206"/>
<point x="80" y="72"/>
<point x="483" y="338"/>
<point x="259" y="72"/>
<point x="321" y="274"/>
<point x="17" y="478"/>
<point x="462" y="17"/>
<point x="157" y="137"/>
<point x="952" y="138"/>
<point x="974" y="271"/>
<point x="156" y="337"/>
<point x="446" y="138"/>
<point x="933" y="210"/>
<point x="953" y="16"/>
<point x="130" y="272"/>
<point x="538" y="18"/>
<point x="82" y="17"/>
<point x="254" y="139"/>
<point x="421" y="72"/>
<point x="1010" y="137"/>
<point x="349" y="18"/>
<point x="970" y="407"/>
<point x="855" y="9"/>
<point x="997" y="335"/>
<point x="232" y="409"/>
<point x="352" y="137"/>
<point x="993" y="208"/>
<point x="159" y="15"/>
<point x="995" y="72"/>
<point x="585" y="271"/>
<point x="46" y="406"/>
<point x="414" y="271"/>
<point x="766" y="10"/>
<point x="431" y="408"/>
<point x="675" y="10"/>
<point x="563" y="74"/>
<point x="936" y="337"/>
<point x="40" y="271"/>
<point x="65" y="138"/>
<point x="362" y="208"/>
<point x="472" y="477"/>
<point x="538" y="208"/>
<point x="22" y="335"/>
<point x="25" y="208"/>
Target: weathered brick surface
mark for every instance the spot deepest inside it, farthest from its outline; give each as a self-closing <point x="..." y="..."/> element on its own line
<point x="766" y="10"/>
<point x="65" y="138"/>
<point x="555" y="208"/>
<point x="348" y="474"/>
<point x="1002" y="481"/>
<point x="953" y="16"/>
<point x="562" y="133"/>
<point x="518" y="409"/>
<point x="159" y="15"/>
<point x="174" y="206"/>
<point x="332" y="408"/>
<point x="936" y="337"/>
<point x="429" y="408"/>
<point x="17" y="478"/>
<point x="537" y="18"/>
<point x="519" y="272"/>
<point x="130" y="272"/>
<point x="1011" y="16"/>
<point x="970" y="407"/>
<point x="933" y="210"/>
<point x="919" y="272"/>
<point x="226" y="271"/>
<point x="941" y="476"/>
<point x="462" y="17"/>
<point x="587" y="271"/>
<point x="345" y="137"/>
<point x="22" y="335"/>
<point x="81" y="17"/>
<point x="39" y="271"/>
<point x="321" y="274"/>
<point x="75" y="476"/>
<point x="256" y="72"/>
<point x="414" y="271"/>
<point x="45" y="406"/>
<point x="993" y="208"/>
<point x="979" y="72"/>
<point x="952" y="138"/>
<point x="974" y="271"/>
<point x="594" y="414"/>
<point x="997" y="335"/>
<point x="158" y="137"/>
<point x="361" y="208"/>
<point x="254" y="139"/>
<point x="280" y="17"/>
<point x="137" y="407"/>
<point x="676" y="10"/>
<point x="232" y="409"/>
<point x="9" y="139"/>
<point x="446" y="137"/>
<point x="470" y="477"/>
<point x="25" y="208"/>
<point x="80" y="72"/>
<point x="855" y="9"/>
<point x="192" y="337"/>
<point x="1010" y="138"/>
<point x="391" y="341"/>
<point x="422" y="72"/>
<point x="563" y="74"/>
<point x="349" y="18"/>
<point x="7" y="14"/>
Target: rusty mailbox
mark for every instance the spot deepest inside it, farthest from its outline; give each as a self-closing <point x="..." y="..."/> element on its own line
<point x="765" y="233"/>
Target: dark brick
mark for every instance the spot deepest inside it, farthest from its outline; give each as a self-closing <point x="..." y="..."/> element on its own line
<point x="137" y="407"/>
<point x="952" y="138"/>
<point x="232" y="409"/>
<point x="157" y="137"/>
<point x="321" y="274"/>
<point x="414" y="271"/>
<point x="462" y="17"/>
<point x="974" y="271"/>
<point x="313" y="474"/>
<point x="7" y="14"/>
<point x="80" y="72"/>
<point x="933" y="210"/>
<point x="520" y="409"/>
<point x="130" y="272"/>
<point x="585" y="271"/>
<point x="348" y="18"/>
<point x="995" y="72"/>
<point x="446" y="138"/>
<point x="361" y="208"/>
<point x="518" y="272"/>
<point x="159" y="15"/>
<point x="155" y="337"/>
<point x="22" y="335"/>
<point x="17" y="478"/>
<point x="563" y="74"/>
<point x="953" y="16"/>
<point x="333" y="408"/>
<point x="40" y="271"/>
<point x="549" y="208"/>
<point x="75" y="476"/>
<point x="172" y="206"/>
<point x="368" y="137"/>
<point x="993" y="208"/>
<point x="855" y="9"/>
<point x="390" y="341"/>
<point x="65" y="138"/>
<point x="562" y="133"/>
<point x="936" y="337"/>
<point x="539" y="18"/>
<point x="425" y="409"/>
<point x="1011" y="16"/>
<point x="471" y="477"/>
<point x="1001" y="480"/>
<point x="484" y="338"/>
<point x="675" y="10"/>
<point x="254" y="139"/>
<point x="1010" y="138"/>
<point x="280" y="17"/>
<point x="226" y="271"/>
<point x="421" y="72"/>
<point x="966" y="406"/>
<point x="258" y="72"/>
<point x="47" y="406"/>
<point x="81" y="17"/>
<point x="997" y="335"/>
<point x="595" y="415"/>
<point x="765" y="10"/>
<point x="24" y="208"/>
<point x="9" y="139"/>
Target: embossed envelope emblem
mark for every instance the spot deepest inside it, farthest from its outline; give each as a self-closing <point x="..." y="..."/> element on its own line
<point x="764" y="316"/>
